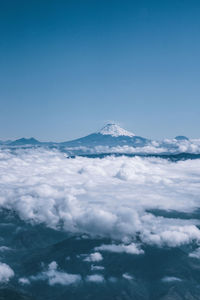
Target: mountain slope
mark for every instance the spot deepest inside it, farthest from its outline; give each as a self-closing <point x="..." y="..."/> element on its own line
<point x="24" y="141"/>
<point x="110" y="135"/>
<point x="115" y="131"/>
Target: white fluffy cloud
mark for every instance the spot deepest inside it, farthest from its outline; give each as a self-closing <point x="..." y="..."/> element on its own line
<point x="130" y="249"/>
<point x="96" y="256"/>
<point x="54" y="276"/>
<point x="24" y="281"/>
<point x="106" y="197"/>
<point x="127" y="276"/>
<point x="4" y="248"/>
<point x="95" y="278"/>
<point x="170" y="279"/>
<point x="195" y="253"/>
<point x="5" y="272"/>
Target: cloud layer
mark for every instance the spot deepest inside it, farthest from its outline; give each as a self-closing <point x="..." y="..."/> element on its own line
<point x="171" y="146"/>
<point x="109" y="197"/>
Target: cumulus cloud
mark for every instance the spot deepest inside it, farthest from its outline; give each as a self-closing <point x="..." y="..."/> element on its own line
<point x="4" y="248"/>
<point x="170" y="279"/>
<point x="130" y="249"/>
<point x="181" y="146"/>
<point x="5" y="272"/>
<point x="95" y="278"/>
<point x="109" y="197"/>
<point x="195" y="254"/>
<point x="94" y="257"/>
<point x="24" y="281"/>
<point x="54" y="276"/>
<point x="172" y="236"/>
<point x="127" y="276"/>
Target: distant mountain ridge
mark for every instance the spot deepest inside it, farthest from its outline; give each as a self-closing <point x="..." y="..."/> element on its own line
<point x="111" y="134"/>
<point x="181" y="138"/>
<point x="114" y="139"/>
<point x="24" y="141"/>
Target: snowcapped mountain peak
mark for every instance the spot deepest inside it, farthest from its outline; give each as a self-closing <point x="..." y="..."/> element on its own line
<point x="115" y="130"/>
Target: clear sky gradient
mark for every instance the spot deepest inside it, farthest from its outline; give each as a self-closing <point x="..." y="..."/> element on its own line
<point x="67" y="67"/>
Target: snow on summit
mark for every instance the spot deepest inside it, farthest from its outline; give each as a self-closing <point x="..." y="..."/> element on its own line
<point x="115" y="130"/>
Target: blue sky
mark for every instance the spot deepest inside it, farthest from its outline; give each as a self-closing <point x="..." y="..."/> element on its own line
<point x="67" y="67"/>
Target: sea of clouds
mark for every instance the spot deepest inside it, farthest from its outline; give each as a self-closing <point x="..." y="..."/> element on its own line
<point x="169" y="146"/>
<point x="110" y="197"/>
